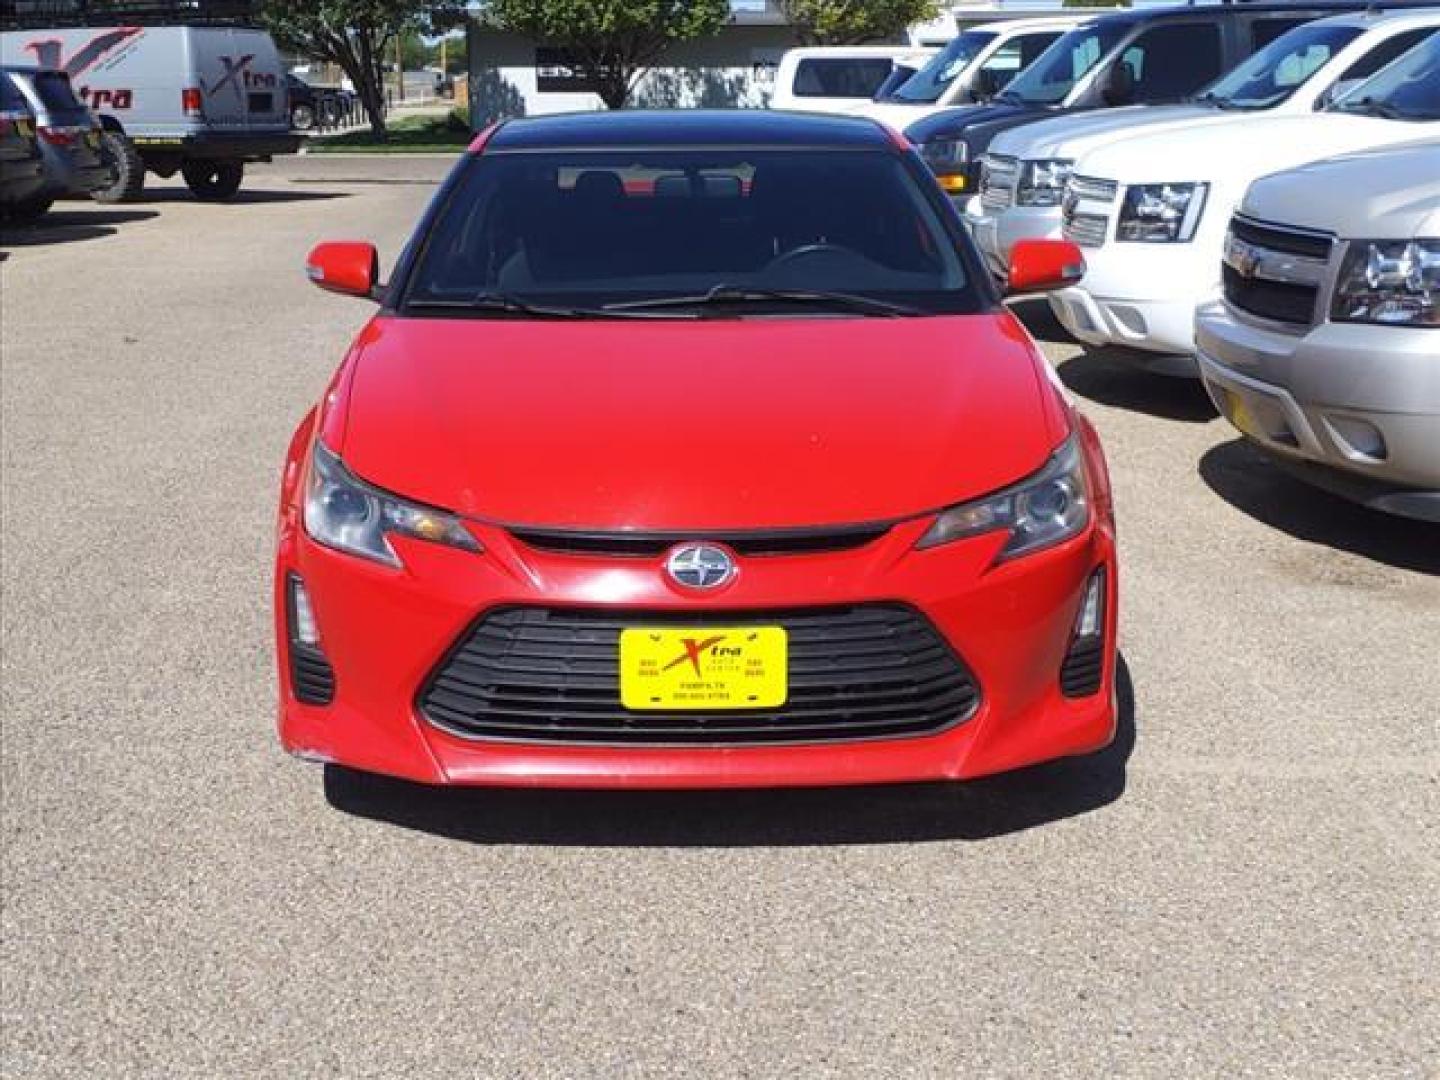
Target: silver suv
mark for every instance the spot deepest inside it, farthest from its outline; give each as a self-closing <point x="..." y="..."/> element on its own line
<point x="1325" y="351"/>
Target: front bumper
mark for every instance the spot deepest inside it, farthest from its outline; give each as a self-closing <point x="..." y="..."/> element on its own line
<point x="1349" y="407"/>
<point x="385" y="631"/>
<point x="1142" y="296"/>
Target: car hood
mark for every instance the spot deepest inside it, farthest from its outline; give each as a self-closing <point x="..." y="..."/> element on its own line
<point x="896" y="116"/>
<point x="1075" y="135"/>
<point x="949" y="123"/>
<point x="1386" y="194"/>
<point x="1236" y="153"/>
<point x="670" y="424"/>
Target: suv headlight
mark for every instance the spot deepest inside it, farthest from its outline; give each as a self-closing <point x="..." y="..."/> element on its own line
<point x="1042" y="183"/>
<point x="1161" y="213"/>
<point x="1047" y="509"/>
<point x="348" y="514"/>
<point x="1395" y="282"/>
<point x="945" y="155"/>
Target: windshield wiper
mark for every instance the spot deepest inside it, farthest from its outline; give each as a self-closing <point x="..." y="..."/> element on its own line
<point x="743" y="294"/>
<point x="1009" y="97"/>
<point x="508" y="304"/>
<point x="1369" y="106"/>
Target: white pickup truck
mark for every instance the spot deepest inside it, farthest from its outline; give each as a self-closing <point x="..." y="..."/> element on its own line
<point x="1151" y="212"/>
<point x="1022" y="178"/>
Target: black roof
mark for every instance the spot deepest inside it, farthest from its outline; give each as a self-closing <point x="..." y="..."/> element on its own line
<point x="43" y="14"/>
<point x="689" y="127"/>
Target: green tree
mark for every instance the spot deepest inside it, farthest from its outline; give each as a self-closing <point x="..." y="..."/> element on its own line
<point x="614" y="42"/>
<point x="853" y="22"/>
<point x="358" y="35"/>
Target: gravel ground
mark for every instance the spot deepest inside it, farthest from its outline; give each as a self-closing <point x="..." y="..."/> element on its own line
<point x="1246" y="885"/>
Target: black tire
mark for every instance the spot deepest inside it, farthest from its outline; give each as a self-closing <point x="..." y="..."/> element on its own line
<point x="302" y="117"/>
<point x="213" y="181"/>
<point x="126" y="167"/>
<point x="26" y="211"/>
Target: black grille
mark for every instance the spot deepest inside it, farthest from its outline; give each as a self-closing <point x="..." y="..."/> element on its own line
<point x="1270" y="299"/>
<point x="651" y="544"/>
<point x="1291" y="241"/>
<point x="1084" y="668"/>
<point x="550" y="675"/>
<point x="311" y="676"/>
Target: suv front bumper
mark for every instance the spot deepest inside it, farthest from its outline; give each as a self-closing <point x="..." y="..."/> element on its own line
<point x="1350" y="407"/>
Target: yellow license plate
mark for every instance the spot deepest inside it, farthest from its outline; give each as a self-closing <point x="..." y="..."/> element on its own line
<point x="704" y="669"/>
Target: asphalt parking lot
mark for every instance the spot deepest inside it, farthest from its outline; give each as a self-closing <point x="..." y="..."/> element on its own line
<point x="1246" y="885"/>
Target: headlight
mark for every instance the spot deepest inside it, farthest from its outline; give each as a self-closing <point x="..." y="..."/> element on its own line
<point x="945" y="155"/>
<point x="347" y="514"/>
<point x="1395" y="282"/>
<point x="1161" y="213"/>
<point x="1042" y="183"/>
<point x="1047" y="509"/>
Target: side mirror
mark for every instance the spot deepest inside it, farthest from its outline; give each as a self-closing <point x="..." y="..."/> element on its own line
<point x="986" y="84"/>
<point x="1119" y="85"/>
<point x="347" y="267"/>
<point x="1043" y="265"/>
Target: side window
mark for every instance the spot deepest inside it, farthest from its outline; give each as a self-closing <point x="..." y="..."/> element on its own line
<point x="1392" y="48"/>
<point x="1264" y="31"/>
<point x="1170" y="62"/>
<point x="1004" y="63"/>
<point x="1032" y="45"/>
<point x="858" y="77"/>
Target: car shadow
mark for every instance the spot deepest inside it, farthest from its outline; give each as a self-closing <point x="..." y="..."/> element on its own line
<point x="974" y="810"/>
<point x="1249" y="481"/>
<point x="1035" y="313"/>
<point x="1108" y="376"/>
<point x="241" y="198"/>
<point x="65" y="226"/>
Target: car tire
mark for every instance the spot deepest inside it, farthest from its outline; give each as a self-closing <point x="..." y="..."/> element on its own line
<point x="302" y="117"/>
<point x="124" y="160"/>
<point x="26" y="211"/>
<point x="213" y="181"/>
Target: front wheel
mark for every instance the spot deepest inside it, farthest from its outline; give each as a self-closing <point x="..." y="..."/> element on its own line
<point x="213" y="181"/>
<point x="127" y="171"/>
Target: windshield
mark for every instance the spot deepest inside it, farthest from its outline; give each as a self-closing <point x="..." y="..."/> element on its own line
<point x="1409" y="89"/>
<point x="585" y="230"/>
<point x="1278" y="70"/>
<point x="927" y="85"/>
<point x="1049" y="80"/>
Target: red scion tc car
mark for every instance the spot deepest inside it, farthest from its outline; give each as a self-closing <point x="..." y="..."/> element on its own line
<point x="693" y="450"/>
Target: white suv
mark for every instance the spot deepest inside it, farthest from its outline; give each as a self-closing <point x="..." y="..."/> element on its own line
<point x="1151" y="211"/>
<point x="1023" y="176"/>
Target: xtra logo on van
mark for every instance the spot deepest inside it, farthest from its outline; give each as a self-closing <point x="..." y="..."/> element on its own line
<point x="50" y="53"/>
<point x="239" y="75"/>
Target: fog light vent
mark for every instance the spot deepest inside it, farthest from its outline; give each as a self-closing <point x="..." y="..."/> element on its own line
<point x="311" y="676"/>
<point x="1084" y="667"/>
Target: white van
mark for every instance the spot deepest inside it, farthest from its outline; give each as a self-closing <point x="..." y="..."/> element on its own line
<point x="197" y="100"/>
<point x="834" y="78"/>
